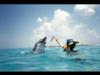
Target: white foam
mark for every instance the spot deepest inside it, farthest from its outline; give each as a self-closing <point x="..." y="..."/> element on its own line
<point x="22" y="52"/>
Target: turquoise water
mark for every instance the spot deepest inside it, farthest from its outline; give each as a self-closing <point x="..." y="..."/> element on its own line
<point x="54" y="59"/>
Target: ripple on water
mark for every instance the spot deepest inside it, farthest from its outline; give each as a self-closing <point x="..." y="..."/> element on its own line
<point x="54" y="59"/>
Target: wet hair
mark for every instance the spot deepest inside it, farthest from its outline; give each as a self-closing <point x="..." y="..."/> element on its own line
<point x="73" y="45"/>
<point x="68" y="41"/>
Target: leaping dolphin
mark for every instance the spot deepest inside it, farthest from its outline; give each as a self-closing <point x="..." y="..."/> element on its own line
<point x="40" y="46"/>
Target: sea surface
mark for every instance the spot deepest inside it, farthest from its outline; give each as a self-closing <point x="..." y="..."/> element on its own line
<point x="53" y="59"/>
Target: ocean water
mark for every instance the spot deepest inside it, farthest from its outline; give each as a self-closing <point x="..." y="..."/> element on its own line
<point x="54" y="59"/>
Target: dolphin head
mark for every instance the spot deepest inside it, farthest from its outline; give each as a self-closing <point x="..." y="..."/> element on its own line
<point x="39" y="46"/>
<point x="43" y="40"/>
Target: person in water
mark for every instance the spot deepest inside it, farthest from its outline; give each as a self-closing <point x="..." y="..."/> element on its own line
<point x="40" y="43"/>
<point x="70" y="45"/>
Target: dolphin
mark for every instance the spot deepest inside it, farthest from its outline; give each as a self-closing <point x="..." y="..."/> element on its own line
<point x="40" y="46"/>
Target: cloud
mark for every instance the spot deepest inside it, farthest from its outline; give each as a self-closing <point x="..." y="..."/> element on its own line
<point x="39" y="20"/>
<point x="61" y="15"/>
<point x="85" y="9"/>
<point x="86" y="34"/>
<point x="58" y="26"/>
<point x="94" y="33"/>
<point x="61" y="27"/>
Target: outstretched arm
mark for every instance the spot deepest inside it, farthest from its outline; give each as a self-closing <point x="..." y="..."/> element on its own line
<point x="57" y="41"/>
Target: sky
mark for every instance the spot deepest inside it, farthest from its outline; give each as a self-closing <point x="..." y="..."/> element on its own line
<point x="21" y="25"/>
